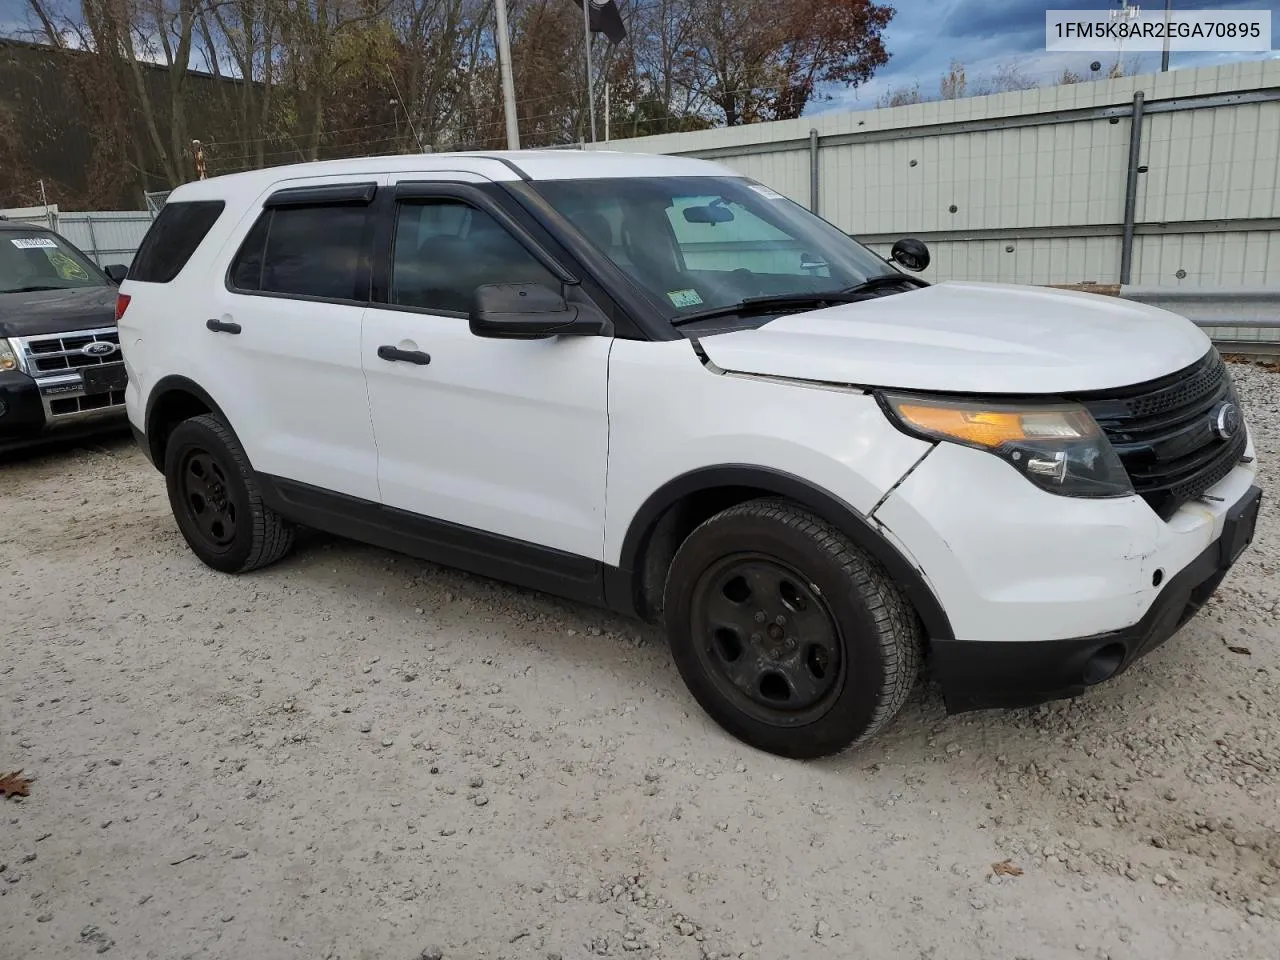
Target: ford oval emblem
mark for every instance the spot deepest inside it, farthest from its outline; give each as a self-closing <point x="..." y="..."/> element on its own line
<point x="99" y="348"/>
<point x="1227" y="420"/>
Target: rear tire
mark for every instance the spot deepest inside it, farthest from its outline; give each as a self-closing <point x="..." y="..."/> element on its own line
<point x="216" y="501"/>
<point x="787" y="634"/>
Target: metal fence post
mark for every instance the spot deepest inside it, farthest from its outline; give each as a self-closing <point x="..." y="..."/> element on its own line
<point x="93" y="240"/>
<point x="813" y="169"/>
<point x="1131" y="189"/>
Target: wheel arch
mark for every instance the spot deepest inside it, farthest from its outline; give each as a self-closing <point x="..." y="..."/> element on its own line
<point x="173" y="399"/>
<point x="674" y="509"/>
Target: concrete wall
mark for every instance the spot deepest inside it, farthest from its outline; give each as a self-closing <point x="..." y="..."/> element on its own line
<point x="1037" y="179"/>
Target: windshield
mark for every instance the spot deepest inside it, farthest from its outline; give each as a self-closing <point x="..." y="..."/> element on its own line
<point x="42" y="261"/>
<point x="701" y="243"/>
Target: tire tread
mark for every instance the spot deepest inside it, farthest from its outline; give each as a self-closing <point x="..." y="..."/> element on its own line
<point x="898" y="631"/>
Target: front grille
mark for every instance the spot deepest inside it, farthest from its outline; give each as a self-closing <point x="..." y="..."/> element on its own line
<point x="58" y="354"/>
<point x="1164" y="432"/>
<point x="100" y="401"/>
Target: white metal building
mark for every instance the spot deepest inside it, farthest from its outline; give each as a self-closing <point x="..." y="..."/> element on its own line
<point x="1033" y="187"/>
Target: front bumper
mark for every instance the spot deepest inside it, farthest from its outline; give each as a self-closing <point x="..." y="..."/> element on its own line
<point x="981" y="674"/>
<point x="25" y="422"/>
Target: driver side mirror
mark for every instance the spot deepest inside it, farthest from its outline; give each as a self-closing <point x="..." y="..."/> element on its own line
<point x="116" y="272"/>
<point x="911" y="254"/>
<point x="531" y="311"/>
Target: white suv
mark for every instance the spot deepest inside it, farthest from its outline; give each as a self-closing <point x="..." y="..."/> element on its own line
<point x="653" y="384"/>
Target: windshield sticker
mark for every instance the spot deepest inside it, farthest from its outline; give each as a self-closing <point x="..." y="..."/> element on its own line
<point x="67" y="268"/>
<point x="766" y="192"/>
<point x="684" y="298"/>
<point x="33" y="243"/>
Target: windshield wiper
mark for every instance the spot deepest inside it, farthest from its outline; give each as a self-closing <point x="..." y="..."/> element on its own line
<point x="32" y="289"/>
<point x="819" y="298"/>
<point x="763" y="305"/>
<point x="882" y="280"/>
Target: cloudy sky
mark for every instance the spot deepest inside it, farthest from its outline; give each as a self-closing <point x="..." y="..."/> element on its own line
<point x="985" y="34"/>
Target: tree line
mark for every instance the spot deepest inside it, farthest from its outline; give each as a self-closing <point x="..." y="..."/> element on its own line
<point x="956" y="84"/>
<point x="265" y="82"/>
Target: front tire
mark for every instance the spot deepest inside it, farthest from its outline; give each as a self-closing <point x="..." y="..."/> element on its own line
<point x="786" y="633"/>
<point x="216" y="501"/>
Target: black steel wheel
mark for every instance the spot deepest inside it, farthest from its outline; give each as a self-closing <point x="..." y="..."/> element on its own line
<point x="770" y="641"/>
<point x="216" y="502"/>
<point x="786" y="633"/>
<point x="202" y="488"/>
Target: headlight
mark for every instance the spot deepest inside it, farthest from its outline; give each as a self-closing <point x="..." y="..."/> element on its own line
<point x="1058" y="447"/>
<point x="8" y="356"/>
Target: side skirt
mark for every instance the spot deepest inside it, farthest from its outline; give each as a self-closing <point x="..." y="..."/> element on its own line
<point x="518" y="562"/>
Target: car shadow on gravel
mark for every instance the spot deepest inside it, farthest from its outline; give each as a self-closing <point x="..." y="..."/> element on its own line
<point x="584" y="638"/>
<point x="51" y="452"/>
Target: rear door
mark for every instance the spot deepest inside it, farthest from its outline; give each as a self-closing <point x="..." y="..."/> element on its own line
<point x="286" y="323"/>
<point x="498" y="437"/>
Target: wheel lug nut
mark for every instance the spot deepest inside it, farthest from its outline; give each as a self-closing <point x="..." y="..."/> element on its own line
<point x="756" y="638"/>
<point x="780" y="620"/>
<point x="774" y="654"/>
<point x="791" y="643"/>
<point x="760" y="617"/>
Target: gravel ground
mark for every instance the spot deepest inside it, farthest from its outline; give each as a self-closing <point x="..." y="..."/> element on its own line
<point x="356" y="755"/>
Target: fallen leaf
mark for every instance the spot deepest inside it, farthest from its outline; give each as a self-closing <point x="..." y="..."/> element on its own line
<point x="1243" y="651"/>
<point x="1005" y="868"/>
<point x="13" y="785"/>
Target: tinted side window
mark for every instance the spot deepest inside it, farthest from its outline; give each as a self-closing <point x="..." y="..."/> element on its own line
<point x="444" y="249"/>
<point x="304" y="251"/>
<point x="173" y="238"/>
<point x="246" y="271"/>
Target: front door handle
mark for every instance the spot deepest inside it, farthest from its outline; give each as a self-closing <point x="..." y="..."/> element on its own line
<point x="222" y="326"/>
<point x="388" y="352"/>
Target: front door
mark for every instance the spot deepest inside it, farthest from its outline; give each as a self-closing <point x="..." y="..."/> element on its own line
<point x="493" y="437"/>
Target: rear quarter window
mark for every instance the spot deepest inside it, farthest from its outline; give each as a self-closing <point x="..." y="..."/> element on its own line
<point x="173" y="238"/>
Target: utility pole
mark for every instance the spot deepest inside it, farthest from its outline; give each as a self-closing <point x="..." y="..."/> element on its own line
<point x="591" y="83"/>
<point x="508" y="84"/>
<point x="399" y="102"/>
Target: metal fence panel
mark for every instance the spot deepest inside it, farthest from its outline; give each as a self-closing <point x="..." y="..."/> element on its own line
<point x="1037" y="186"/>
<point x="106" y="236"/>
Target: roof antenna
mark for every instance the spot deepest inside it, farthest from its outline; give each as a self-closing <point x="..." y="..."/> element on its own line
<point x="407" y="117"/>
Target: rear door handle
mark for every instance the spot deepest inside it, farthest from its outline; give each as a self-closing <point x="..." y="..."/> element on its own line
<point x="220" y="326"/>
<point x="388" y="352"/>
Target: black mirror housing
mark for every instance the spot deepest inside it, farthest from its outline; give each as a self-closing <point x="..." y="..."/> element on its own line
<point x="116" y="272"/>
<point x="531" y="311"/>
<point x="911" y="254"/>
<point x="712" y="213"/>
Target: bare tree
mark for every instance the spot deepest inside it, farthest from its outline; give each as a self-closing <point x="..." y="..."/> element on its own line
<point x="954" y="84"/>
<point x="765" y="61"/>
<point x="900" y="96"/>
<point x="270" y="81"/>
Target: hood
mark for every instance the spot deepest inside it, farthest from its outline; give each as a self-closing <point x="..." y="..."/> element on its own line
<point x="57" y="311"/>
<point x="970" y="338"/>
